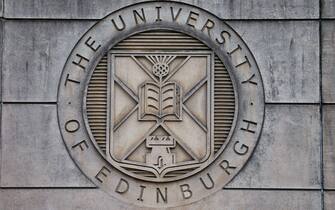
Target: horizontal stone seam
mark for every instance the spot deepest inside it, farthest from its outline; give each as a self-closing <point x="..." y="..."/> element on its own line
<point x="30" y="102"/>
<point x="316" y="19"/>
<point x="271" y="189"/>
<point x="266" y="103"/>
<point x="224" y="189"/>
<point x="44" y="187"/>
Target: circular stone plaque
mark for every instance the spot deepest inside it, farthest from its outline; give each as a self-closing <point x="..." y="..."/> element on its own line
<point x="160" y="104"/>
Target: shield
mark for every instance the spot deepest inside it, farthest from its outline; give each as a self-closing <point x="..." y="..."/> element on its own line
<point x="159" y="111"/>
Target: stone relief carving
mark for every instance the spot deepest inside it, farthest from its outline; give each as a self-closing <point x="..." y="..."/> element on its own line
<point x="160" y="104"/>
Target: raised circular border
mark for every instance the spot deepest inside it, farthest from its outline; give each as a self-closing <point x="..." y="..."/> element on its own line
<point x="191" y="34"/>
<point x="244" y="137"/>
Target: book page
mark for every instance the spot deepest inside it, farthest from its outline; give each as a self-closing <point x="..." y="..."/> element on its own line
<point x="168" y="99"/>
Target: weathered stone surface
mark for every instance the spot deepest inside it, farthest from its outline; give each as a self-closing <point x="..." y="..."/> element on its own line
<point x="287" y="55"/>
<point x="1" y="8"/>
<point x="260" y="9"/>
<point x="287" y="155"/>
<point x="0" y="140"/>
<point x="328" y="8"/>
<point x="158" y="137"/>
<point x="1" y="50"/>
<point x="33" y="153"/>
<point x="329" y="200"/>
<point x="227" y="9"/>
<point x="328" y="146"/>
<point x="288" y="65"/>
<point x="86" y="199"/>
<point x="328" y="62"/>
<point x="34" y="55"/>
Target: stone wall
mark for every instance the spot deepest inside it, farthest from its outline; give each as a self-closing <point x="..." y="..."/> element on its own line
<point x="293" y="166"/>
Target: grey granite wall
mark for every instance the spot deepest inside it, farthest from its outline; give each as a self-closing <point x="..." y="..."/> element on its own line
<point x="293" y="166"/>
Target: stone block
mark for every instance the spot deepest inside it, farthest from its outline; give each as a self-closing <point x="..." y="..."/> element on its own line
<point x="329" y="146"/>
<point x="329" y="200"/>
<point x="1" y="8"/>
<point x="87" y="199"/>
<point x="328" y="8"/>
<point x="33" y="153"/>
<point x="287" y="54"/>
<point x="226" y="9"/>
<point x="288" y="152"/>
<point x="328" y="62"/>
<point x="34" y="56"/>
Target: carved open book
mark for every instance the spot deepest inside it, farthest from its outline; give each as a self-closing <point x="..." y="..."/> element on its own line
<point x="160" y="101"/>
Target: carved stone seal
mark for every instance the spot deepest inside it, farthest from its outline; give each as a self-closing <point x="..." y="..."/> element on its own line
<point x="160" y="104"/>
